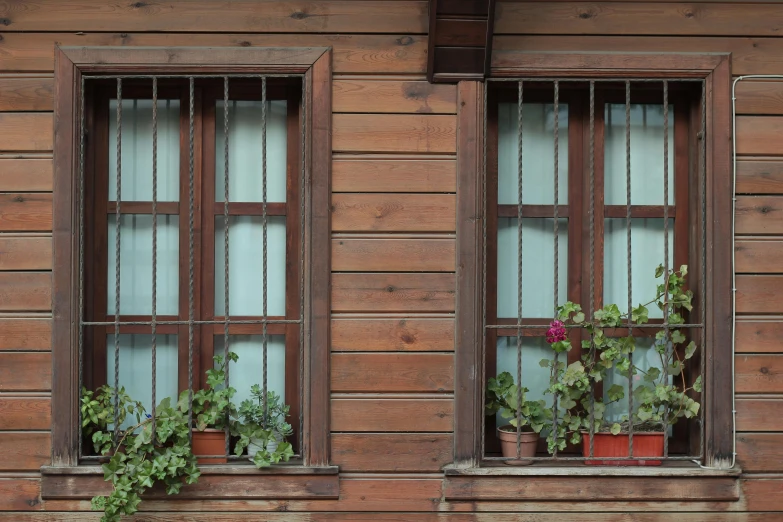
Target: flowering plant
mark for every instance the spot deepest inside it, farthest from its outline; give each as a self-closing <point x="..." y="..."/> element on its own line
<point x="658" y="402"/>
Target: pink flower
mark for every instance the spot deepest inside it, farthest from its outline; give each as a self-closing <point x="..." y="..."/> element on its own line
<point x="556" y="332"/>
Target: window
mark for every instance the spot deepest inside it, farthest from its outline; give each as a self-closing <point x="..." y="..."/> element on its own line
<point x="202" y="228"/>
<point x="584" y="137"/>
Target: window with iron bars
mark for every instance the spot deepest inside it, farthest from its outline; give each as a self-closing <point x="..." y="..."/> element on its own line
<point x="192" y="236"/>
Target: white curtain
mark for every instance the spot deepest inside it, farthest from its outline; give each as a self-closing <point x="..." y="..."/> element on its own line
<point x="249" y="369"/>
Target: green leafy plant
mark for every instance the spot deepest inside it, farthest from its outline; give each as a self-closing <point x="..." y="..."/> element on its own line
<point x="97" y="409"/>
<point x="259" y="427"/>
<point x="503" y="396"/>
<point x="657" y="402"/>
<point x="212" y="406"/>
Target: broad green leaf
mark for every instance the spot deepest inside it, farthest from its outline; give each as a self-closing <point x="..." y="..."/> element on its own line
<point x="690" y="350"/>
<point x="616" y="428"/>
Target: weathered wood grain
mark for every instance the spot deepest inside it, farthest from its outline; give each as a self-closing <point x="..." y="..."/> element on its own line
<point x="26" y="212"/>
<point x="393" y="213"/>
<point x="20" y="494"/>
<point x="414" y="133"/>
<point x="759" y="336"/>
<point x="759" y="373"/>
<point x="26" y="131"/>
<point x="385" y="174"/>
<point x="759" y="215"/>
<point x="25" y="291"/>
<point x="25" y="253"/>
<point x="24" y="451"/>
<point x="760" y="452"/>
<point x="760" y="176"/>
<point x="25" y="371"/>
<point x="759" y="135"/>
<point x="25" y="334"/>
<point x="759" y="97"/>
<point x="26" y="94"/>
<point x="392" y="372"/>
<point x="390" y="335"/>
<point x="381" y="53"/>
<point x="759" y="414"/>
<point x="388" y="255"/>
<point x="759" y="256"/>
<point x="763" y="494"/>
<point x="393" y="96"/>
<point x="225" y="16"/>
<point x="392" y="292"/>
<point x="25" y="413"/>
<point x="615" y="18"/>
<point x="759" y="294"/>
<point x="391" y="452"/>
<point x="392" y="415"/>
<point x="25" y="174"/>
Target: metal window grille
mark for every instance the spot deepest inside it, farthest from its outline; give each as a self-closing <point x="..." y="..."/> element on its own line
<point x="698" y="174"/>
<point x="192" y="322"/>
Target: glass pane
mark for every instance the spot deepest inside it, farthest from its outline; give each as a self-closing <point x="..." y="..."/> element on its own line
<point x="136" y="264"/>
<point x="534" y="377"/>
<point x="537" y="266"/>
<point x="136" y="367"/>
<point x="538" y="151"/>
<point x="249" y="369"/>
<point x="646" y="155"/>
<point x="137" y="150"/>
<point x="646" y="254"/>
<point x="247" y="267"/>
<point x="245" y="156"/>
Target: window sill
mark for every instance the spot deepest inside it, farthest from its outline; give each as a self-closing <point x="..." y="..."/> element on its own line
<point x="671" y="482"/>
<point x="219" y="481"/>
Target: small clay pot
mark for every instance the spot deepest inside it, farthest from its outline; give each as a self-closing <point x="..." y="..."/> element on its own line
<point x="528" y="442"/>
<point x="210" y="442"/>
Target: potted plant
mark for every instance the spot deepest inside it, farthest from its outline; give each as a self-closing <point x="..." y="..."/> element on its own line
<point x="262" y="432"/>
<point x="142" y="459"/>
<point x="212" y="411"/>
<point x="503" y="396"/>
<point x="658" y="404"/>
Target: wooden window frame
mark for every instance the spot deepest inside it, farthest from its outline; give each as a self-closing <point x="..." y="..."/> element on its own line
<point x="314" y="478"/>
<point x="714" y="69"/>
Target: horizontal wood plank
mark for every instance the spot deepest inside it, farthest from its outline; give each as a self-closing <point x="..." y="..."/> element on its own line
<point x="29" y="212"/>
<point x="380" y="53"/>
<point x="393" y="292"/>
<point x="759" y="215"/>
<point x="759" y="97"/>
<point x="25" y="413"/>
<point x="384" y="174"/>
<point x="25" y="291"/>
<point x="759" y="336"/>
<point x="392" y="372"/>
<point x="393" y="96"/>
<point x="26" y="131"/>
<point x="392" y="415"/>
<point x="759" y="176"/>
<point x="20" y="494"/>
<point x="763" y="494"/>
<point x="594" y="488"/>
<point x="413" y="133"/>
<point x="758" y="256"/>
<point x="390" y="335"/>
<point x="390" y="255"/>
<point x="30" y="174"/>
<point x="759" y="294"/>
<point x="25" y="371"/>
<point x="759" y="373"/>
<point x="759" y="135"/>
<point x="393" y="212"/>
<point x="26" y="93"/>
<point x="25" y="334"/>
<point x="760" y="452"/>
<point x="225" y="16"/>
<point x="25" y="253"/>
<point x="378" y="452"/>
<point x="616" y="18"/>
<point x="24" y="451"/>
<point x="756" y="414"/>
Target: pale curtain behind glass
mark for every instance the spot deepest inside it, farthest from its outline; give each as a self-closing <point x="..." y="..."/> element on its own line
<point x="248" y="370"/>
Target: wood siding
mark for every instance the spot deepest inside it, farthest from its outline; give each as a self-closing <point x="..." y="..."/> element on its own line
<point x="393" y="242"/>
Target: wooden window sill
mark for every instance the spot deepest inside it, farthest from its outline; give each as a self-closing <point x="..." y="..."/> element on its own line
<point x="218" y="481"/>
<point x="678" y="482"/>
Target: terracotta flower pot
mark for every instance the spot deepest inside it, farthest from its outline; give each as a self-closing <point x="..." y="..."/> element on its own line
<point x="645" y="444"/>
<point x="508" y="445"/>
<point x="210" y="442"/>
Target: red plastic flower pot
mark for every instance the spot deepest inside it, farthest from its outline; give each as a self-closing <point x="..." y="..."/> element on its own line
<point x="645" y="444"/>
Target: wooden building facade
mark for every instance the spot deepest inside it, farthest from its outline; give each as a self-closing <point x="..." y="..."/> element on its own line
<point x="394" y="376"/>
